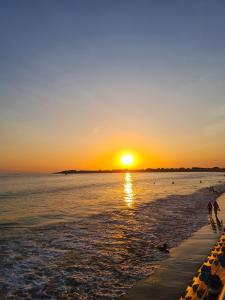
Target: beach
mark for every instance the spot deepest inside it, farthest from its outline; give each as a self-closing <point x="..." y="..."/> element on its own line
<point x="104" y="253"/>
<point x="172" y="277"/>
<point x="112" y="122"/>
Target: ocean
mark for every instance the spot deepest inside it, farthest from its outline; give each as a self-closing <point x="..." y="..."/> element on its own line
<point x="92" y="236"/>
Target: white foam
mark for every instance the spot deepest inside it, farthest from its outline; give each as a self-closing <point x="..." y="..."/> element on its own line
<point x="102" y="256"/>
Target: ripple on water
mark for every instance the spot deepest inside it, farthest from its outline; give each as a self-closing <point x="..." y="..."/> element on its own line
<point x="99" y="257"/>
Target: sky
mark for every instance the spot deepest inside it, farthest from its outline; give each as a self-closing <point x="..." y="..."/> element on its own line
<point x="83" y="81"/>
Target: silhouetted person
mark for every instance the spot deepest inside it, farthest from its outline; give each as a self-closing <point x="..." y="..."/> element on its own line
<point x="210" y="207"/>
<point x="216" y="208"/>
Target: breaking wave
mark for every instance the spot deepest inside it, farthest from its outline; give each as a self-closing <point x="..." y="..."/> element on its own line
<point x="101" y="256"/>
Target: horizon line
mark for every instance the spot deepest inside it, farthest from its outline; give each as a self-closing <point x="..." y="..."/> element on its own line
<point x="123" y="170"/>
<point x="118" y="170"/>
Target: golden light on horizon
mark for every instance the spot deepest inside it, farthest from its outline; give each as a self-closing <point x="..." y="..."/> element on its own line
<point x="127" y="159"/>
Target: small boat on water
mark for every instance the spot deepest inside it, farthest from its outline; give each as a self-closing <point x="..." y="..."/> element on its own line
<point x="209" y="281"/>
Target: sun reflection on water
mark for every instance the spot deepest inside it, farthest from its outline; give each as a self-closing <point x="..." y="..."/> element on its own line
<point x="128" y="190"/>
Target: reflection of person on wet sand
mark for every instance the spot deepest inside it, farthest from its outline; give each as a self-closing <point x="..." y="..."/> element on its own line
<point x="210" y="207"/>
<point x="216" y="208"/>
<point x="219" y="223"/>
<point x="212" y="222"/>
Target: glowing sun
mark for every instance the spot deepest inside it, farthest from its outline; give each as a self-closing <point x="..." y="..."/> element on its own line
<point x="127" y="159"/>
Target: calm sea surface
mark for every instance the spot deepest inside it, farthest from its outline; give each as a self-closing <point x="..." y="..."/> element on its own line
<point x="32" y="200"/>
<point x="92" y="236"/>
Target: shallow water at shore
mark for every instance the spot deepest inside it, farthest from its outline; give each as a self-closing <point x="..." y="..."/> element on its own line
<point x="101" y="255"/>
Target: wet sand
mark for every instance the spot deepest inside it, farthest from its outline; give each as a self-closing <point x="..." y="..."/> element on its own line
<point x="174" y="273"/>
<point x="103" y="256"/>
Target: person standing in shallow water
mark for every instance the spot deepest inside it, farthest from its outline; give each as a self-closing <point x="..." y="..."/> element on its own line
<point x="210" y="207"/>
<point x="216" y="208"/>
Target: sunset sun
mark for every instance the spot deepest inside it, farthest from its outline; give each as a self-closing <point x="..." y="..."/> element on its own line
<point x="127" y="159"/>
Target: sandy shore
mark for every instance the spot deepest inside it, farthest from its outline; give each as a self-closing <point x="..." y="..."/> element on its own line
<point x="100" y="257"/>
<point x="174" y="273"/>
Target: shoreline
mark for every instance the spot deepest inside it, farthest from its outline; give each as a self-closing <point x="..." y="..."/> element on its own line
<point x="173" y="274"/>
<point x="120" y="247"/>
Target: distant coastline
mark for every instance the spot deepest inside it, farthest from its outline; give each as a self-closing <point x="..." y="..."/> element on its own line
<point x="148" y="170"/>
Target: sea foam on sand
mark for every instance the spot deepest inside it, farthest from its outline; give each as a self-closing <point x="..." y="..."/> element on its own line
<point x="102" y="256"/>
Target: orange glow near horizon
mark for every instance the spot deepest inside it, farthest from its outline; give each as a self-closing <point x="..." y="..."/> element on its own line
<point x="107" y="155"/>
<point x="81" y="99"/>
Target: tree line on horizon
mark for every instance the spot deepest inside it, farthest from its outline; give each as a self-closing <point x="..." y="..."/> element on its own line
<point x="193" y="169"/>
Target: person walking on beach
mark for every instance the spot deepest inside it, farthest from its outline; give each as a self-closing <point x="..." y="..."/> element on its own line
<point x="210" y="207"/>
<point x="216" y="208"/>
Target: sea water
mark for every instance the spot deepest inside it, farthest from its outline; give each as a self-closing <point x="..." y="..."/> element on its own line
<point x="92" y="236"/>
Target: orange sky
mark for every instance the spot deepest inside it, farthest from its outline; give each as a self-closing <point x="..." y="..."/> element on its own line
<point x="84" y="82"/>
<point x="105" y="154"/>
